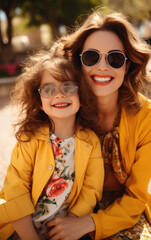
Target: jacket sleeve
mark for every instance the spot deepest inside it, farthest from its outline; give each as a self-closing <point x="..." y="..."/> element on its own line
<point x="17" y="184"/>
<point x="92" y="181"/>
<point x="126" y="211"/>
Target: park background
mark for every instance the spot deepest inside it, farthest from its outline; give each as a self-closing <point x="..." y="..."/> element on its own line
<point x="26" y="26"/>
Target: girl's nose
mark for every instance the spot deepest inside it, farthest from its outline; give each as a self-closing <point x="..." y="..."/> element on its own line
<point x="59" y="93"/>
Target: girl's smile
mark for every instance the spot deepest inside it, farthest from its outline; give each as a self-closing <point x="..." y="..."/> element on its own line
<point x="61" y="105"/>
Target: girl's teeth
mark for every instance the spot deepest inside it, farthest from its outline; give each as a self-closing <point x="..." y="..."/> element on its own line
<point x="61" y="105"/>
<point x="100" y="79"/>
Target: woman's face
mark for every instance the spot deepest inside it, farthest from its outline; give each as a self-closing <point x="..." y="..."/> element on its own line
<point x="104" y="79"/>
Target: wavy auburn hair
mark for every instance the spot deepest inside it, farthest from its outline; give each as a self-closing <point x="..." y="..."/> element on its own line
<point x="26" y="95"/>
<point x="138" y="52"/>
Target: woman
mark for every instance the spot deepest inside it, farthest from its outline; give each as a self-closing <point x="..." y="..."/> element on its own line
<point x="113" y="60"/>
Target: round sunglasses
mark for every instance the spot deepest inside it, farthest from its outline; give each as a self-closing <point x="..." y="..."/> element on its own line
<point x="48" y="90"/>
<point x="90" y="57"/>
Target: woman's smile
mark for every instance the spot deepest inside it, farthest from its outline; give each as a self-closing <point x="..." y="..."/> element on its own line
<point x="102" y="79"/>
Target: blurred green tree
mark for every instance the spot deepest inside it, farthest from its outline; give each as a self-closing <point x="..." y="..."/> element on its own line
<point x="137" y="10"/>
<point x="53" y="12"/>
<point x="9" y="8"/>
<point x="65" y="12"/>
<point x="58" y="12"/>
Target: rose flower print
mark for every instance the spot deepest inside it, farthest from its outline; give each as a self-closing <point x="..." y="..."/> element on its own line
<point x="56" y="187"/>
<point x="56" y="150"/>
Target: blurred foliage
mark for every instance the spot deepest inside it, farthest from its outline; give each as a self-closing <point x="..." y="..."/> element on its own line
<point x="136" y="10"/>
<point x="37" y="12"/>
<point x="9" y="8"/>
<point x="58" y="12"/>
<point x="20" y="26"/>
<point x="62" y="12"/>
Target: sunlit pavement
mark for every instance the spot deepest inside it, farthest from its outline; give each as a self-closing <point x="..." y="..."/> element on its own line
<point x="7" y="140"/>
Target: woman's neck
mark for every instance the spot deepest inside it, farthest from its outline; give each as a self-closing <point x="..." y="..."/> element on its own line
<point x="64" y="128"/>
<point x="108" y="109"/>
<point x="108" y="104"/>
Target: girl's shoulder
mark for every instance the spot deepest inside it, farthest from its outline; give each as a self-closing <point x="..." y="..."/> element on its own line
<point x="42" y="133"/>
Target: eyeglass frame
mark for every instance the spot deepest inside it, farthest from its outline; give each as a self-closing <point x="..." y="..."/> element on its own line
<point x="56" y="88"/>
<point x="99" y="53"/>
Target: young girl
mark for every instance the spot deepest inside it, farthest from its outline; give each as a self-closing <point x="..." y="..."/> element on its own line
<point x="113" y="60"/>
<point x="56" y="165"/>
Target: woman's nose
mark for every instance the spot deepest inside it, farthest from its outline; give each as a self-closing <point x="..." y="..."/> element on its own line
<point x="102" y="64"/>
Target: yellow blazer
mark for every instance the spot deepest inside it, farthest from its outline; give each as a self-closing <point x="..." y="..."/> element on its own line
<point x="135" y="145"/>
<point x="32" y="164"/>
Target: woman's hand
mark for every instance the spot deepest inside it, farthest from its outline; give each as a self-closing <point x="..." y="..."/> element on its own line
<point x="69" y="228"/>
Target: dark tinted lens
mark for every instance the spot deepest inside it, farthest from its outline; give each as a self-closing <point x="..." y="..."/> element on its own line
<point x="116" y="59"/>
<point x="90" y="58"/>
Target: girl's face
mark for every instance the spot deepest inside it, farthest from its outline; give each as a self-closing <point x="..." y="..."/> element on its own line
<point x="58" y="106"/>
<point x="104" y="79"/>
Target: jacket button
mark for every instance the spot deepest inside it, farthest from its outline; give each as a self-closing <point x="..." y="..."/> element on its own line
<point x="87" y="146"/>
<point x="50" y="167"/>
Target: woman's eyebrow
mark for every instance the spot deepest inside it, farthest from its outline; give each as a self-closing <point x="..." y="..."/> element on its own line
<point x="114" y="50"/>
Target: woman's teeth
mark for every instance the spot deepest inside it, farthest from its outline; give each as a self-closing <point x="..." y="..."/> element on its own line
<point x="102" y="79"/>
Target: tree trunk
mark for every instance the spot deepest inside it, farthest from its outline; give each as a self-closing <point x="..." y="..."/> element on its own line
<point x="9" y="28"/>
<point x="55" y="31"/>
<point x="1" y="38"/>
<point x="6" y="48"/>
<point x="53" y="22"/>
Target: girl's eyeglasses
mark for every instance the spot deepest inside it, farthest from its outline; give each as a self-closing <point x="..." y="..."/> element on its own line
<point x="90" y="57"/>
<point x="48" y="90"/>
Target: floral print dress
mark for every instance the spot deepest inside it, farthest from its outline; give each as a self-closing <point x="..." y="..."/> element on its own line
<point x="112" y="159"/>
<point x="54" y="198"/>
